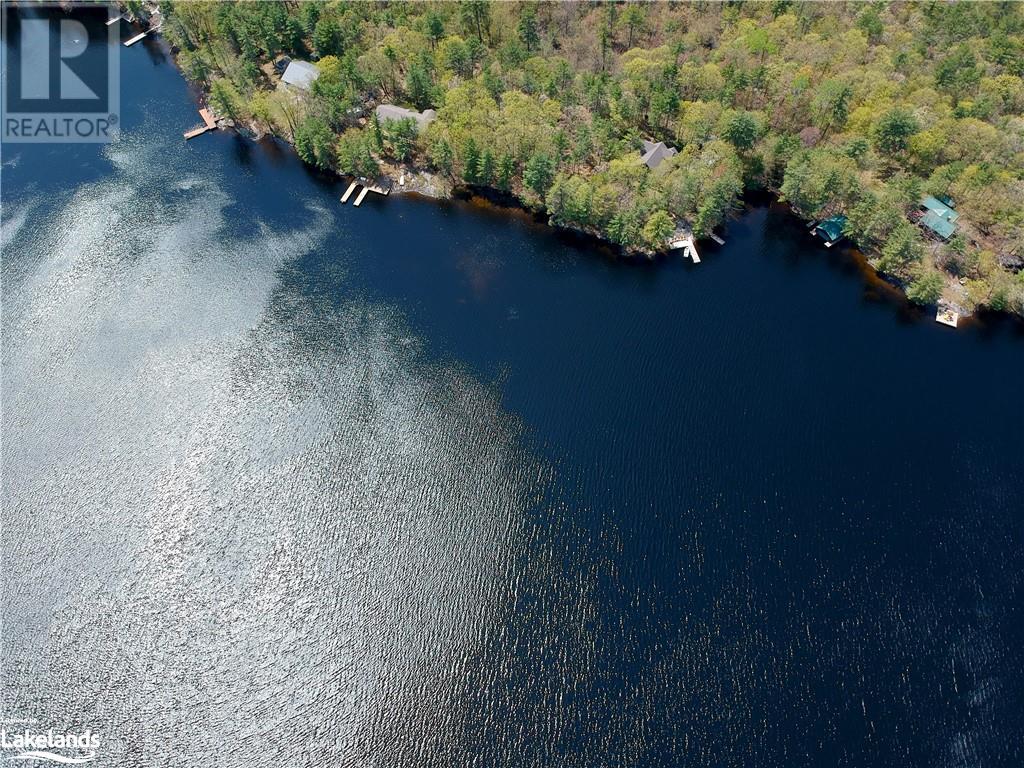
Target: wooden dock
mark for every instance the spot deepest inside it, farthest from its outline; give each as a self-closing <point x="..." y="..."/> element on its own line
<point x="689" y="249"/>
<point x="376" y="188"/>
<point x="209" y="124"/>
<point x="154" y="27"/>
<point x="716" y="238"/>
<point x="114" y="20"/>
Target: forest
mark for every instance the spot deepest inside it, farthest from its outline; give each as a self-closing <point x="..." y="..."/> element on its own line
<point x="853" y="109"/>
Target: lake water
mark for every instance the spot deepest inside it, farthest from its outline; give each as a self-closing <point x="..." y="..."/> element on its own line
<point x="287" y="482"/>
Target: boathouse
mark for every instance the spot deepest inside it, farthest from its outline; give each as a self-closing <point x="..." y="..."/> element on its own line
<point x="831" y="229"/>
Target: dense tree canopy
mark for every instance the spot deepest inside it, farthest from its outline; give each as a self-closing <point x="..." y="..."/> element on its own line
<point x="851" y="108"/>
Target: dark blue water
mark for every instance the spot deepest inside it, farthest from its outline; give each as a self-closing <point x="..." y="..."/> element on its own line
<point x="428" y="483"/>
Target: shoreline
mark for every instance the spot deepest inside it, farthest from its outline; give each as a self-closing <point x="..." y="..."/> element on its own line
<point x="435" y="186"/>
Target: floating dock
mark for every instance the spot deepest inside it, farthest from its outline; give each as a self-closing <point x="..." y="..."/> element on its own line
<point x="135" y="39"/>
<point x="716" y="238"/>
<point x="114" y="20"/>
<point x="362" y="194"/>
<point x="947" y="316"/>
<point x="349" y="191"/>
<point x="209" y="124"/>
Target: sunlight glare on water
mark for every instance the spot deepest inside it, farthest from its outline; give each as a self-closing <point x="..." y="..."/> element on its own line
<point x="261" y="510"/>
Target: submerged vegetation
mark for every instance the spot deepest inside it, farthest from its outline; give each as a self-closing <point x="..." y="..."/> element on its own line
<point x="852" y="108"/>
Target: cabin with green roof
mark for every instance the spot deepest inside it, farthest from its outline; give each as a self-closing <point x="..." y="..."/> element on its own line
<point x="938" y="217"/>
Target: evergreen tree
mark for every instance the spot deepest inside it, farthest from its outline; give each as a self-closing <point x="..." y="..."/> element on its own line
<point x="926" y="288"/>
<point x="901" y="250"/>
<point x="419" y="86"/>
<point x="485" y="167"/>
<point x="476" y="16"/>
<point x="832" y="105"/>
<point x="442" y="156"/>
<point x="314" y="142"/>
<point x="506" y="172"/>
<point x="470" y="161"/>
<point x="327" y="37"/>
<point x="633" y="17"/>
<point x="225" y="99"/>
<point x="741" y="130"/>
<point x="657" y="229"/>
<point x="435" y="28"/>
<point x="893" y="130"/>
<point x="527" y="28"/>
<point x="378" y="134"/>
<point x="537" y="175"/>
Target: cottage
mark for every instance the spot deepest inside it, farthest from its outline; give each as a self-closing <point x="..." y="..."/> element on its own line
<point x="655" y="153"/>
<point x="391" y="113"/>
<point x="299" y="75"/>
<point x="938" y="217"/>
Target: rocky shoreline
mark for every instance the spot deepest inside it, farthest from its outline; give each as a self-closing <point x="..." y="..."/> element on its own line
<point x="405" y="178"/>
